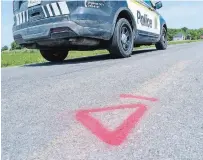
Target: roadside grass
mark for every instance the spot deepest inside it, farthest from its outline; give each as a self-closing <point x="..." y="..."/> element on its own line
<point x="182" y="42"/>
<point x="27" y="56"/>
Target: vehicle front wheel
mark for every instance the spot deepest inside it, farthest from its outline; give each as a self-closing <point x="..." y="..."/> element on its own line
<point x="162" y="44"/>
<point x="122" y="41"/>
<point x="54" y="55"/>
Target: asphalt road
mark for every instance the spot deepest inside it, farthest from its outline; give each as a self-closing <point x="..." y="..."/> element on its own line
<point x="42" y="117"/>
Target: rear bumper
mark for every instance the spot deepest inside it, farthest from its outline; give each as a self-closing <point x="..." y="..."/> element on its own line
<point x="61" y="30"/>
<point x="45" y="29"/>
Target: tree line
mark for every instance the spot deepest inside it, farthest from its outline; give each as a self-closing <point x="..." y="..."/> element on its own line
<point x="193" y="34"/>
<point x="14" y="46"/>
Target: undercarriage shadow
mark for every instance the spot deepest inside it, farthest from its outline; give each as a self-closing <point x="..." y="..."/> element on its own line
<point x="87" y="59"/>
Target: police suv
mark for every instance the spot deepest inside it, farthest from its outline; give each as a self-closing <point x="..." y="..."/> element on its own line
<point x="56" y="27"/>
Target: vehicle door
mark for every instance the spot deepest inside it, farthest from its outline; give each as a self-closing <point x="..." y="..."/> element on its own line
<point x="147" y="20"/>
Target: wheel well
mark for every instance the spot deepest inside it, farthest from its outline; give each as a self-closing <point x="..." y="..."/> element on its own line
<point x="126" y="15"/>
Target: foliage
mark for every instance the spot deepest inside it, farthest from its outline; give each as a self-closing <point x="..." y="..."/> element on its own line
<point x="15" y="46"/>
<point x="4" y="48"/>
<point x="184" y="29"/>
<point x="193" y="33"/>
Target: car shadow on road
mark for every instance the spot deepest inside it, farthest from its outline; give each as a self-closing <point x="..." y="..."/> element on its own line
<point x="86" y="59"/>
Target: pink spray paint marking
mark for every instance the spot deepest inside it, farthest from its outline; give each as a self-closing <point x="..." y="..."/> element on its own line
<point x="117" y="136"/>
<point x="138" y="97"/>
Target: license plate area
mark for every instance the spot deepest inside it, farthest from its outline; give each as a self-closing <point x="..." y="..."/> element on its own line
<point x="32" y="3"/>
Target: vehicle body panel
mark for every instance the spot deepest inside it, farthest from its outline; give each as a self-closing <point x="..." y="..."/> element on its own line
<point x="57" y="22"/>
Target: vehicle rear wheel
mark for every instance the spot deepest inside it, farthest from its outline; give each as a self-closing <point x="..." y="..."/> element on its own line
<point x="162" y="44"/>
<point x="54" y="55"/>
<point x="122" y="41"/>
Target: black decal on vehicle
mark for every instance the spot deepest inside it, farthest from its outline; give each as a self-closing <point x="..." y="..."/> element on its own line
<point x="144" y="20"/>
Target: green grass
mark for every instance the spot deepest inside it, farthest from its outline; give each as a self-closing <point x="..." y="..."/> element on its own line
<point x="16" y="58"/>
<point x="182" y="42"/>
<point x="26" y="56"/>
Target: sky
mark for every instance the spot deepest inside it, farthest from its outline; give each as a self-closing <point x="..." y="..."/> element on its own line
<point x="177" y="14"/>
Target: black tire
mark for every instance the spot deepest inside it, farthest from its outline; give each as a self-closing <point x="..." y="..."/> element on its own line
<point x="122" y="40"/>
<point x="162" y="44"/>
<point x="54" y="55"/>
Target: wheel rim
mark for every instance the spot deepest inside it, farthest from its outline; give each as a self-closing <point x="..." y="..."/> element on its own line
<point x="126" y="38"/>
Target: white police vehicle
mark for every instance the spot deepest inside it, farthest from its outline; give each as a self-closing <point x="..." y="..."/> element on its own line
<point x="56" y="27"/>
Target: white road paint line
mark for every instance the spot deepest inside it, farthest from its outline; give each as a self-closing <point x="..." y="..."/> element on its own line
<point x="64" y="8"/>
<point x="151" y="87"/>
<point x="49" y="10"/>
<point x="154" y="85"/>
<point x="55" y="8"/>
<point x="44" y="11"/>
